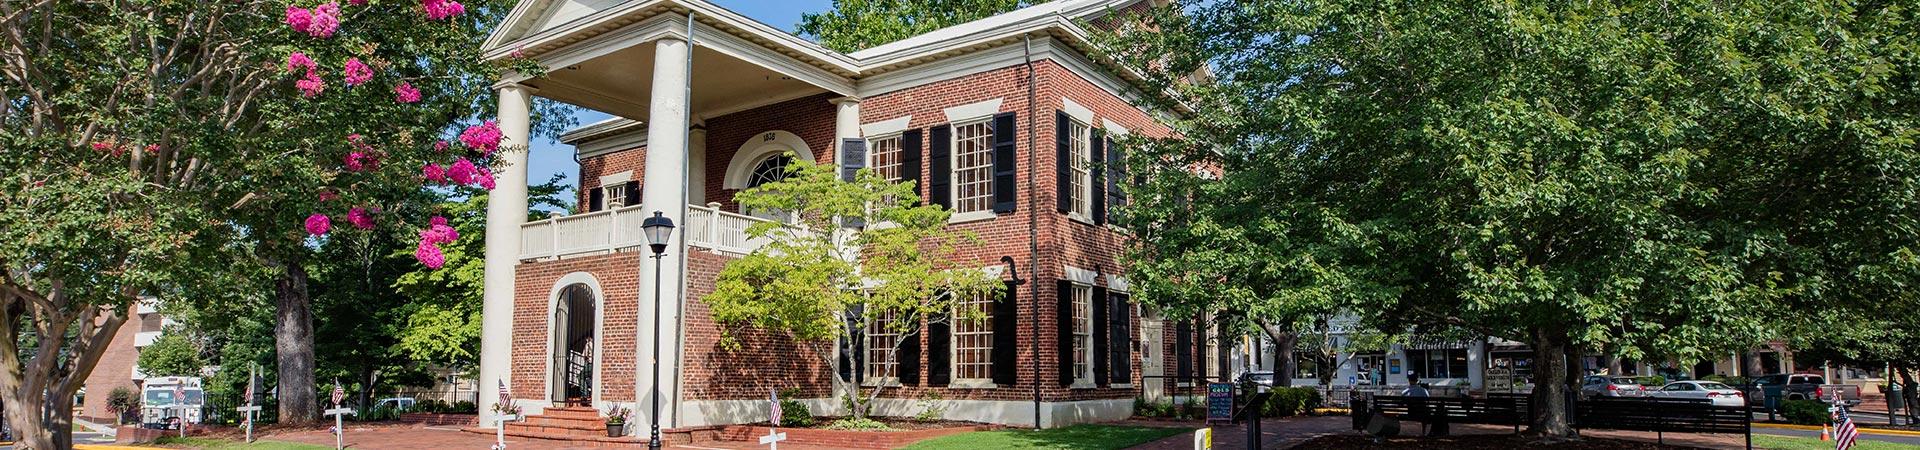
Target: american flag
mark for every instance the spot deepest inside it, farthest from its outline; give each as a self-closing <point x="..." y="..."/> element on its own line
<point x="339" y="393"/>
<point x="773" y="401"/>
<point x="504" y="399"/>
<point x="1844" y="433"/>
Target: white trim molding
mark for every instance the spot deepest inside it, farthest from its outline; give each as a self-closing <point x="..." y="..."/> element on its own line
<point x="599" y="325"/>
<point x="886" y="127"/>
<point x="618" y="178"/>
<point x="1082" y="276"/>
<point x="975" y="110"/>
<point x="1115" y="128"/>
<point x="1074" y="110"/>
<point x="1118" y="283"/>
<point x="763" y="144"/>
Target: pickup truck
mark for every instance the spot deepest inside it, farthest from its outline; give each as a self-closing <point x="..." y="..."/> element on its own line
<point x="1772" y="389"/>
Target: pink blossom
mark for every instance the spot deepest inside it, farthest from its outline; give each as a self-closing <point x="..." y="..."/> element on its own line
<point x="440" y="146"/>
<point x="434" y="172"/>
<point x="357" y="2"/>
<point x="484" y="137"/>
<point x="298" y="60"/>
<point x="406" y="93"/>
<point x="485" y="178"/>
<point x="318" y="224"/>
<point x="429" y="255"/>
<point x="312" y="85"/>
<point x="360" y="218"/>
<point x="437" y="220"/>
<point x="462" y="172"/>
<point x="439" y="232"/>
<point x="442" y="9"/>
<point x="299" y="18"/>
<point x="327" y="195"/>
<point x="357" y="72"/>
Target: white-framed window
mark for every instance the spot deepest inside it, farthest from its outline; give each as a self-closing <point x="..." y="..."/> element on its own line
<point x="883" y="365"/>
<point x="1082" y="335"/>
<point x="973" y="166"/>
<point x="1080" y="141"/>
<point x="885" y="154"/>
<point x="973" y="339"/>
<point x="614" y="195"/>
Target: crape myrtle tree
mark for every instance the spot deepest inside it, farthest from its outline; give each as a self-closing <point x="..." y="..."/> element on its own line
<point x="1664" y="178"/>
<point x="149" y="145"/>
<point x="862" y="255"/>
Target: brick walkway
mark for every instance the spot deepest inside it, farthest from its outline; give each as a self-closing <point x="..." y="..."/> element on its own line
<point x="1275" y="433"/>
<point x="418" y="437"/>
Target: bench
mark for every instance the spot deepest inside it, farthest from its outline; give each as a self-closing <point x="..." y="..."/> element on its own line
<point x="1438" y="412"/>
<point x="1663" y="415"/>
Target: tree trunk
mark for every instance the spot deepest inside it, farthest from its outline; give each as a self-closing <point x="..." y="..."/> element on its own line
<point x="1909" y="384"/>
<point x="1283" y="342"/>
<point x="293" y="345"/>
<point x="1551" y="411"/>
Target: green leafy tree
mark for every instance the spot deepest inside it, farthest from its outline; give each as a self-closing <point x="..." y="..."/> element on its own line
<point x="1650" y="179"/>
<point x="822" y="282"/>
<point x="172" y="355"/>
<point x="441" y="321"/>
<point x="857" y="24"/>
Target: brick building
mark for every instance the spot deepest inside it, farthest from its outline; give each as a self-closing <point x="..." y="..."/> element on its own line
<point x="1003" y="121"/>
<point x="120" y="364"/>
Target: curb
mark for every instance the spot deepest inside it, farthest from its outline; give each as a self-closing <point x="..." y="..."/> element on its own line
<point x="1863" y="430"/>
<point x="110" y="447"/>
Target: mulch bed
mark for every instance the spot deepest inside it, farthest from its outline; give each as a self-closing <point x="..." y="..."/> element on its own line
<point x="1481" y="442"/>
<point x="898" y="424"/>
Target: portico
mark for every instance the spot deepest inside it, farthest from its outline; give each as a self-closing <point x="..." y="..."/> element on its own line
<point x="643" y="63"/>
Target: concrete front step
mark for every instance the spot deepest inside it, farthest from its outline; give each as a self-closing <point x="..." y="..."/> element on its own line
<point x="636" y="440"/>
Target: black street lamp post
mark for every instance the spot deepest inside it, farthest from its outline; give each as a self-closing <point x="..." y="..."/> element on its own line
<point x="658" y="228"/>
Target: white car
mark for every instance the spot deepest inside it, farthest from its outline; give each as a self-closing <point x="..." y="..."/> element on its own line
<point x="1718" y="393"/>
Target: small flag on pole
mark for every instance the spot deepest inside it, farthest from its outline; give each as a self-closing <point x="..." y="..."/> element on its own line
<point x="339" y="393"/>
<point x="504" y="399"/>
<point x="1844" y="432"/>
<point x="773" y="401"/>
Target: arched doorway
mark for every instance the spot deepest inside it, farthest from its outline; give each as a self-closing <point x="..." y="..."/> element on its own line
<point x="769" y="169"/>
<point x="575" y="339"/>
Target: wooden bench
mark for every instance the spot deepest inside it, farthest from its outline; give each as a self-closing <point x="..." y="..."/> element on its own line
<point x="1439" y="412"/>
<point x="1663" y="415"/>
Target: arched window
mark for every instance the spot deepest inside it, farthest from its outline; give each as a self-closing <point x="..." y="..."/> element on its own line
<point x="771" y="169"/>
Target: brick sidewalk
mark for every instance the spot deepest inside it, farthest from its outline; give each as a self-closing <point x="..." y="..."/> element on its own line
<point x="1275" y="433"/>
<point x="419" y="437"/>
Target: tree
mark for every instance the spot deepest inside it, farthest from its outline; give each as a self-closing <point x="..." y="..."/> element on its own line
<point x="1643" y="178"/>
<point x="172" y="355"/>
<point x="857" y="24"/>
<point x="152" y="146"/>
<point x="440" y="324"/>
<point x="821" y="281"/>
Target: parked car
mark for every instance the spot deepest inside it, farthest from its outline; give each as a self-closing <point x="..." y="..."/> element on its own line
<point x="1769" y="390"/>
<point x="1604" y="386"/>
<point x="1718" y="393"/>
<point x="398" y="403"/>
<point x="1260" y="377"/>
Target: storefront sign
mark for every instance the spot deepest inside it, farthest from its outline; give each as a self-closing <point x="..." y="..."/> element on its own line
<point x="1220" y="402"/>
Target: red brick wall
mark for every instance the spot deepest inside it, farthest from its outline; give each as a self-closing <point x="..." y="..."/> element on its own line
<point x="115" y="368"/>
<point x="592" y="168"/>
<point x="763" y="360"/>
<point x="619" y="296"/>
<point x="810" y="118"/>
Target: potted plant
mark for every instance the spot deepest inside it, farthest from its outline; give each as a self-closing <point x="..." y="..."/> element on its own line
<point x="617" y="421"/>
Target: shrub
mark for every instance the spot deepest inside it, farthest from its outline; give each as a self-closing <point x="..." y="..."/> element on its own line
<point x="1651" y="381"/>
<point x="1291" y="401"/>
<point x="1804" y="412"/>
<point x="931" y="407"/>
<point x="123" y="401"/>
<point x="1160" y="409"/>
<point x="858" y="425"/>
<point x="464" y="407"/>
<point x="794" y="414"/>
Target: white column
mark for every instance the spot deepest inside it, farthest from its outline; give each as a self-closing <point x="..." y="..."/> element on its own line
<point x="846" y="122"/>
<point x="1477" y="364"/>
<point x="697" y="163"/>
<point x="662" y="191"/>
<point x="506" y="212"/>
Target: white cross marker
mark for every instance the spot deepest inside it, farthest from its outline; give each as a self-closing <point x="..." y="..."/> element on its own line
<point x="250" y="410"/>
<point x="339" y="430"/>
<point x="773" y="439"/>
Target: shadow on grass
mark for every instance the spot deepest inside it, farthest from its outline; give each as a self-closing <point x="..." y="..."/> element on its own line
<point x="1077" y="437"/>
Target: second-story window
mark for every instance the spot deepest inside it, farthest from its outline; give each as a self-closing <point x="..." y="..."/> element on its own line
<point x="1082" y="180"/>
<point x="615" y="195"/>
<point x="886" y="157"/>
<point x="973" y="166"/>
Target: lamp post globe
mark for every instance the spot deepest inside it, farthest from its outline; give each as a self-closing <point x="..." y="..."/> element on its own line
<point x="658" y="229"/>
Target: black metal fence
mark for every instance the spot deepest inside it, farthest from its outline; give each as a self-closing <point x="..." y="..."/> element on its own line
<point x="222" y="409"/>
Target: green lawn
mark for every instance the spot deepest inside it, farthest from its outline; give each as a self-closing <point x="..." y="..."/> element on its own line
<point x="222" y="444"/>
<point x="1800" y="443"/>
<point x="1077" y="437"/>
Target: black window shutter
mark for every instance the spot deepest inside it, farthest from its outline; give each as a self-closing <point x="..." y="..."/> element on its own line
<point x="846" y="359"/>
<point x="1006" y="345"/>
<point x="910" y="159"/>
<point x="853" y="157"/>
<point x="940" y="165"/>
<point x="909" y="357"/>
<point x="1065" y="295"/>
<point x="1183" y="350"/>
<point x="1097" y="150"/>
<point x="1063" y="158"/>
<point x="633" y="193"/>
<point x="1005" y="163"/>
<point x="1121" y="337"/>
<point x="1116" y="171"/>
<point x="595" y="199"/>
<point x="939" y="350"/>
<point x="1098" y="317"/>
<point x="1221" y="346"/>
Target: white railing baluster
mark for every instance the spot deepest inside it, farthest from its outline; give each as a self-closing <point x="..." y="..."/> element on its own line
<point x="608" y="231"/>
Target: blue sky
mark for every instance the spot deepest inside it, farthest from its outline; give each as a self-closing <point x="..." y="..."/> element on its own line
<point x="550" y="157"/>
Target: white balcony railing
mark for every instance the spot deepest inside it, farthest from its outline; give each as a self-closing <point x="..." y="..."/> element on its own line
<point x="616" y="229"/>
